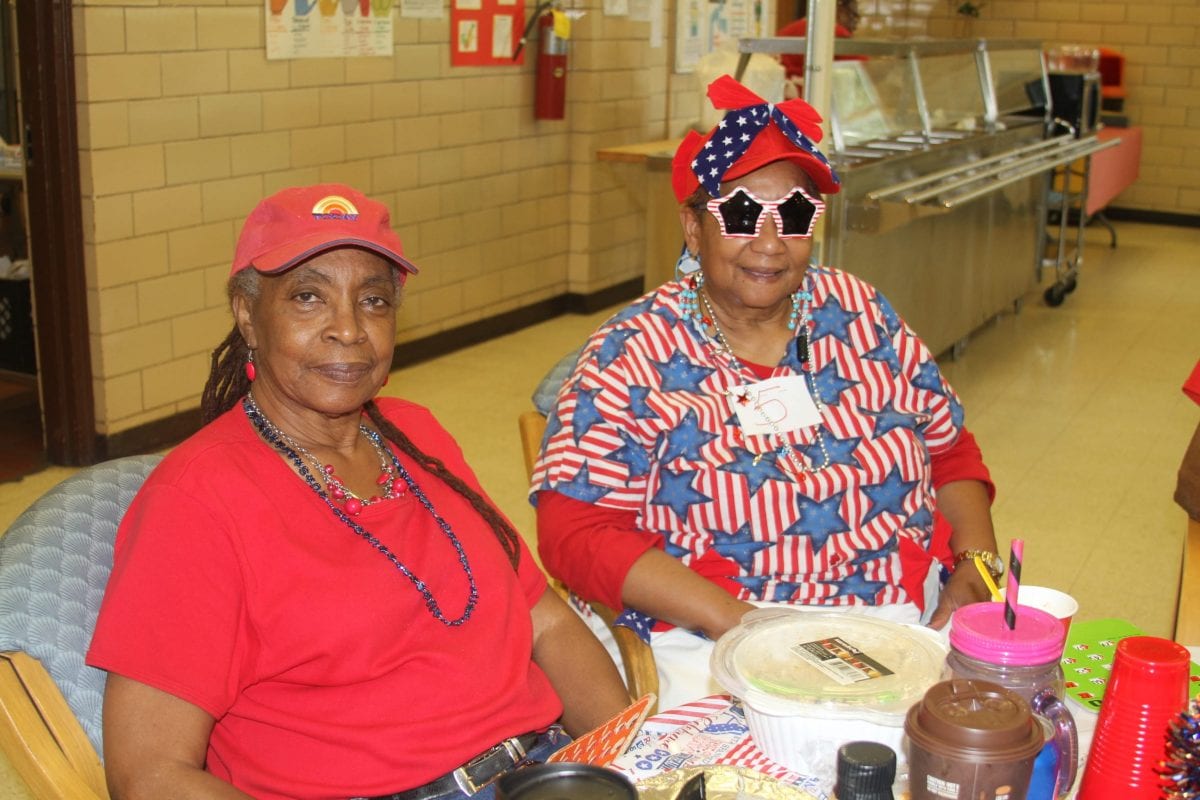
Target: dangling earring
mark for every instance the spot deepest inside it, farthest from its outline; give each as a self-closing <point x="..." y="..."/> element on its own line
<point x="687" y="263"/>
<point x="689" y="305"/>
<point x="251" y="372"/>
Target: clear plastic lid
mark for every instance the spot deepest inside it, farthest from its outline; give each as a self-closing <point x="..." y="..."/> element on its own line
<point x="784" y="661"/>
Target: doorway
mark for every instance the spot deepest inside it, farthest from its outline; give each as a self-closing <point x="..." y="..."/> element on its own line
<point x="20" y="411"/>
<point x="39" y="86"/>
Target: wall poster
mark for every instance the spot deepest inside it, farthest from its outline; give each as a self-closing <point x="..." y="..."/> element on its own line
<point x="328" y="28"/>
<point x="702" y="26"/>
<point x="485" y="33"/>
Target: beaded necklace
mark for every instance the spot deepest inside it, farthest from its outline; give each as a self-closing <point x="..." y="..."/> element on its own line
<point x="797" y="319"/>
<point x="334" y="486"/>
<point x="279" y="440"/>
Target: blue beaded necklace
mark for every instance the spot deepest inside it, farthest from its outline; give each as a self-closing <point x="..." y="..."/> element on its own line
<point x="275" y="438"/>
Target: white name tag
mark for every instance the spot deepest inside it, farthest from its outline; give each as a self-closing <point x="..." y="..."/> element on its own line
<point x="775" y="405"/>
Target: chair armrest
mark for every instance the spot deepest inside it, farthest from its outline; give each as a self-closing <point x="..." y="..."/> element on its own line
<point x="42" y="738"/>
<point x="1187" y="619"/>
<point x="641" y="672"/>
<point x="532" y="426"/>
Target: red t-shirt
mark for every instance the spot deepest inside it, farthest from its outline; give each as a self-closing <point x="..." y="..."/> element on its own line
<point x="236" y="589"/>
<point x="793" y="63"/>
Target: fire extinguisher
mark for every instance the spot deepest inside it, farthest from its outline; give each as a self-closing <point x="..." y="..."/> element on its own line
<point x="550" y="74"/>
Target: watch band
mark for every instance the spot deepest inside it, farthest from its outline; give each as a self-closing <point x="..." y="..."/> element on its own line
<point x="991" y="560"/>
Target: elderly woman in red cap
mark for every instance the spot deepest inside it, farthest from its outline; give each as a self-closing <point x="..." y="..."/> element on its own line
<point x="763" y="429"/>
<point x="312" y="597"/>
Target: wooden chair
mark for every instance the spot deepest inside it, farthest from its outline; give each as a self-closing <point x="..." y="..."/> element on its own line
<point x="1187" y="618"/>
<point x="641" y="673"/>
<point x="54" y="565"/>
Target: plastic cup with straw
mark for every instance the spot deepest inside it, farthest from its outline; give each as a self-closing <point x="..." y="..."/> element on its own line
<point x="1015" y="556"/>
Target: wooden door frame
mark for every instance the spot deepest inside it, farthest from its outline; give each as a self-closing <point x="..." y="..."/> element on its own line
<point x="54" y="201"/>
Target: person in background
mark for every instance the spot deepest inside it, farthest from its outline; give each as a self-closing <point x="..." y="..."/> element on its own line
<point x="847" y="22"/>
<point x="1187" y="495"/>
<point x="762" y="430"/>
<point x="312" y="597"/>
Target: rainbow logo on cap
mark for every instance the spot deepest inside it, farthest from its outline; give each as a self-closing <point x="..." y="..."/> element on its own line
<point x="334" y="206"/>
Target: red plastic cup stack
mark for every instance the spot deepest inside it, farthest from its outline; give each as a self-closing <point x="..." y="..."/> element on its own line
<point x="1148" y="687"/>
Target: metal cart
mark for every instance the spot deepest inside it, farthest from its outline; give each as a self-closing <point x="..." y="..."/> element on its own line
<point x="1074" y="101"/>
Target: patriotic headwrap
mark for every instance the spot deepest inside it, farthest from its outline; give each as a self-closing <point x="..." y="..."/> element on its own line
<point x="753" y="133"/>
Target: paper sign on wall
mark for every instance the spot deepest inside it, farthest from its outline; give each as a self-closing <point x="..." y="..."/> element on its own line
<point x="485" y="32"/>
<point x="701" y="26"/>
<point x="328" y="28"/>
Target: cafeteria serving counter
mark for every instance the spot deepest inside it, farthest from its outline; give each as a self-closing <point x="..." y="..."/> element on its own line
<point x="944" y="148"/>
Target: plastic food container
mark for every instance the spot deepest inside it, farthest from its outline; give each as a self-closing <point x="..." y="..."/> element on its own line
<point x="811" y="681"/>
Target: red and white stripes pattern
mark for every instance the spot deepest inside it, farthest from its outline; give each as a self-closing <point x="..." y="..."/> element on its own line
<point x="929" y="425"/>
<point x="672" y="724"/>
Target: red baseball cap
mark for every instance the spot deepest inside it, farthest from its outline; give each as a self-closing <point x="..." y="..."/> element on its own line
<point x="293" y="225"/>
<point x="770" y="144"/>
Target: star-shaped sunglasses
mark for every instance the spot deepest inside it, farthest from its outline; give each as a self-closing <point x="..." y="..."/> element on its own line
<point x="741" y="214"/>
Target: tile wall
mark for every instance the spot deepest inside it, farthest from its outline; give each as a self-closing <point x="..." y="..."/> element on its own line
<point x="184" y="125"/>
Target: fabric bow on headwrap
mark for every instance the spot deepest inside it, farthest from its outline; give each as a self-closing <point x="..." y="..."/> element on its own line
<point x="752" y="134"/>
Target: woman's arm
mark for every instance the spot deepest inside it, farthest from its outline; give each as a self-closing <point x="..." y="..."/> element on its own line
<point x="589" y="547"/>
<point x="661" y="586"/>
<point x="155" y="745"/>
<point x="577" y="665"/>
<point x="601" y="555"/>
<point x="966" y="506"/>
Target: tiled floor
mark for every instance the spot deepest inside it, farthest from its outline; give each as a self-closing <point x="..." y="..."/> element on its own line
<point x="1077" y="409"/>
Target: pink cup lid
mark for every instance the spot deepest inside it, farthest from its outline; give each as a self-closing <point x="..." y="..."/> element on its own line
<point x="979" y="631"/>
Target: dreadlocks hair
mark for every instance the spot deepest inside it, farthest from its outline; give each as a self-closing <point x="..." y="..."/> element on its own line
<point x="227" y="382"/>
<point x="508" y="538"/>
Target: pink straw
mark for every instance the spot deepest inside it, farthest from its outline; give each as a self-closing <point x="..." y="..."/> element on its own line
<point x="1013" y="587"/>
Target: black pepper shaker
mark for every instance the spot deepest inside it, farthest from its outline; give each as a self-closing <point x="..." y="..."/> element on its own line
<point x="865" y="771"/>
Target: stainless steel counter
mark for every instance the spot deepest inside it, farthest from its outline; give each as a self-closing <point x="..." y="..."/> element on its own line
<point x="944" y="149"/>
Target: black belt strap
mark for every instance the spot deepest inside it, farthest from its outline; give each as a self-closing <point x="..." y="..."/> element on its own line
<point x="475" y="774"/>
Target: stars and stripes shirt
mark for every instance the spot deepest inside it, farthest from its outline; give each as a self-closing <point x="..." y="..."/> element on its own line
<point x="646" y="424"/>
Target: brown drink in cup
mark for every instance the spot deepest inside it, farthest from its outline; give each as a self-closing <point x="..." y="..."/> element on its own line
<point x="971" y="740"/>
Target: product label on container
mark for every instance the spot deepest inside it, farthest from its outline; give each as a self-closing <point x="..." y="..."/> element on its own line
<point x="840" y="660"/>
<point x="940" y="787"/>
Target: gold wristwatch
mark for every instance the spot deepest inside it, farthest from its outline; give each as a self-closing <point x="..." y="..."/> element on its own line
<point x="992" y="561"/>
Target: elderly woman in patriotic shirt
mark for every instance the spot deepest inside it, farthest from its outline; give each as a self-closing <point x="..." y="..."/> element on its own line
<point x="763" y="429"/>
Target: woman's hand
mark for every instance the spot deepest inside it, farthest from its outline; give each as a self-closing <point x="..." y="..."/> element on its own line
<point x="967" y="507"/>
<point x="965" y="587"/>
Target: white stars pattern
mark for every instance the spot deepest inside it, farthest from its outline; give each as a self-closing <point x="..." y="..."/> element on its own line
<point x="751" y="121"/>
<point x="884" y="414"/>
